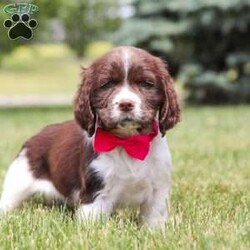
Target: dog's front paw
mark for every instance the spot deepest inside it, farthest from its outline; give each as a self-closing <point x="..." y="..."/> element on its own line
<point x="94" y="211"/>
<point x="155" y="224"/>
<point x="89" y="212"/>
<point x="154" y="217"/>
<point x="1" y="209"/>
<point x="4" y="208"/>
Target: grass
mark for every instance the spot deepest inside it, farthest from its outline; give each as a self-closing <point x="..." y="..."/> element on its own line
<point x="44" y="69"/>
<point x="210" y="196"/>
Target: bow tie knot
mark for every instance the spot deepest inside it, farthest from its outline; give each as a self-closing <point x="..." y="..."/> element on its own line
<point x="137" y="146"/>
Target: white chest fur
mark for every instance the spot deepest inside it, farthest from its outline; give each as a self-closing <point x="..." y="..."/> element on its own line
<point x="131" y="181"/>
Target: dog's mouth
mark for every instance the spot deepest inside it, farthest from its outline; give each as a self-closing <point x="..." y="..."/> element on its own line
<point x="129" y="127"/>
<point x="125" y="126"/>
<point x="129" y="123"/>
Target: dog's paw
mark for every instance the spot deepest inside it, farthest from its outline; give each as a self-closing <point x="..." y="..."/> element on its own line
<point x="89" y="212"/>
<point x="3" y="209"/>
<point x="155" y="221"/>
<point x="156" y="225"/>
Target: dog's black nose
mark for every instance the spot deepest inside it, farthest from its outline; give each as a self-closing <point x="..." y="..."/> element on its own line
<point x="126" y="105"/>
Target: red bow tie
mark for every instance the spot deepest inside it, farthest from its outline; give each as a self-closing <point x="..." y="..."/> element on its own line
<point x="137" y="146"/>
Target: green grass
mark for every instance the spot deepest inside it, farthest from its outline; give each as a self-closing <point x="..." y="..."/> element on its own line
<point x="210" y="195"/>
<point x="44" y="69"/>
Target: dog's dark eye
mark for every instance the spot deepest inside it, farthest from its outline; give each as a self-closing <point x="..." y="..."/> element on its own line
<point x="107" y="84"/>
<point x="146" y="84"/>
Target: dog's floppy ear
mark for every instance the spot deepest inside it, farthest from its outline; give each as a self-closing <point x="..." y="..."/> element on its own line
<point x="169" y="113"/>
<point x="84" y="114"/>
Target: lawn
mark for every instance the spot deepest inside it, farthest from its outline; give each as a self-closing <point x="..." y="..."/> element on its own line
<point x="210" y="195"/>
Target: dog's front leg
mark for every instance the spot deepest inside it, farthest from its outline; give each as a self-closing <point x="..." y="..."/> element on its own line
<point x="154" y="212"/>
<point x="94" y="211"/>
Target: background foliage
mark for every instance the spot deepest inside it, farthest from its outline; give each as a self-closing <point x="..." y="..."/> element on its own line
<point x="87" y="20"/>
<point x="82" y="21"/>
<point x="206" y="44"/>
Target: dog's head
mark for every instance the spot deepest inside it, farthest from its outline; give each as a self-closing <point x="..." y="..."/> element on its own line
<point x="124" y="91"/>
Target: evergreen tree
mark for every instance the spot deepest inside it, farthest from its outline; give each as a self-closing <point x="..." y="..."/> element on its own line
<point x="205" y="42"/>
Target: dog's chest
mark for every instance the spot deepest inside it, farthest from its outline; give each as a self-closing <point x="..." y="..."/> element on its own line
<point x="128" y="180"/>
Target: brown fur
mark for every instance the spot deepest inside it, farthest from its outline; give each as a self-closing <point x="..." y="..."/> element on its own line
<point x="60" y="154"/>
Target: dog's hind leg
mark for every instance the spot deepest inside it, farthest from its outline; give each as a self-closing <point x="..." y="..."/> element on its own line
<point x="18" y="184"/>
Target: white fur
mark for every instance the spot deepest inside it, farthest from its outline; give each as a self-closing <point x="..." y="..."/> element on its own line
<point x="126" y="94"/>
<point x="130" y="181"/>
<point x="125" y="60"/>
<point x="20" y="184"/>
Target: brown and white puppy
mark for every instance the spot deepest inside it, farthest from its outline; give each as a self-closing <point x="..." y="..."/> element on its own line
<point x="124" y="92"/>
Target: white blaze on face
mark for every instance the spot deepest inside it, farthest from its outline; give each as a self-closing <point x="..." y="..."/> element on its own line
<point x="126" y="54"/>
<point x="126" y="93"/>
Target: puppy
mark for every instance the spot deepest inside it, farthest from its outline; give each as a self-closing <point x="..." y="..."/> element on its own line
<point x="114" y="152"/>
